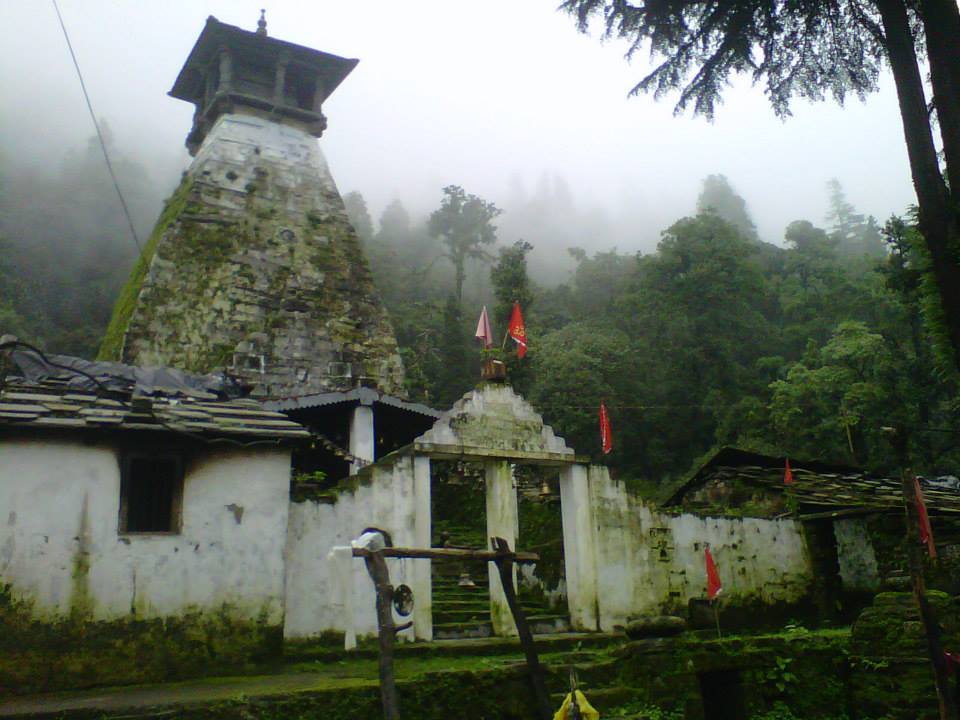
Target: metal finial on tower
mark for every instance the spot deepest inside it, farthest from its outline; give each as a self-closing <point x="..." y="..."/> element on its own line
<point x="262" y="23"/>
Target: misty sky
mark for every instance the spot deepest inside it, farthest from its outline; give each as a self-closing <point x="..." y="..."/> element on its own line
<point x="479" y="94"/>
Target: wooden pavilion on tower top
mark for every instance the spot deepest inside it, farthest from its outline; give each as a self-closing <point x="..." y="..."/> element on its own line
<point x="231" y="70"/>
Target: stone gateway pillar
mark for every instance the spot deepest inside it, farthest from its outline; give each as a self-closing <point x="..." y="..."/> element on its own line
<point x="578" y="547"/>
<point x="422" y="530"/>
<point x="502" y="521"/>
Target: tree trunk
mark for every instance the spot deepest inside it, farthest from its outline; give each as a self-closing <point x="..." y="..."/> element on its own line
<point x="937" y="218"/>
<point x="461" y="276"/>
<point x="941" y="25"/>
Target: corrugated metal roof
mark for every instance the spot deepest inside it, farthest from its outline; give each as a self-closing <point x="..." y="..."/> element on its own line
<point x="55" y="406"/>
<point x="361" y="395"/>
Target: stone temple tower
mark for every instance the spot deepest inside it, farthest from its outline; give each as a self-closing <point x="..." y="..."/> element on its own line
<point x="253" y="266"/>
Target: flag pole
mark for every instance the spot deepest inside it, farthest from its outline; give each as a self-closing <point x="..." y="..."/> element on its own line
<point x="506" y="335"/>
<point x="716" y="616"/>
<point x="928" y="621"/>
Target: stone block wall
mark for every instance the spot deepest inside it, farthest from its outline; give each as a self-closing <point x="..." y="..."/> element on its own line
<point x="652" y="562"/>
<point x="254" y="267"/>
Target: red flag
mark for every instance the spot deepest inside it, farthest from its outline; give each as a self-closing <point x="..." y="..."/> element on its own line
<point x="484" y="334"/>
<point x="714" y="586"/>
<point x="518" y="331"/>
<point x="787" y="474"/>
<point x="605" y="440"/>
<point x="926" y="532"/>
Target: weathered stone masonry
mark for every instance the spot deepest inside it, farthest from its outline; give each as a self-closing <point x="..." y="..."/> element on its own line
<point x="254" y="266"/>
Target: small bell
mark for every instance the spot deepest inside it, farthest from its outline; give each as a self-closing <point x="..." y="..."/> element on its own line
<point x="545" y="491"/>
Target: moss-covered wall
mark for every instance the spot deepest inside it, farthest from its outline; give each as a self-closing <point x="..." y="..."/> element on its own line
<point x="39" y="655"/>
<point x="650" y="561"/>
<point x="254" y="267"/>
<point x="891" y="673"/>
<point x="495" y="418"/>
<point x="802" y="674"/>
<point x="112" y="346"/>
<point x="84" y="603"/>
<point x="387" y="495"/>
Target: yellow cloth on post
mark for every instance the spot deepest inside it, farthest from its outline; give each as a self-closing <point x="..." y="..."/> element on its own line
<point x="586" y="709"/>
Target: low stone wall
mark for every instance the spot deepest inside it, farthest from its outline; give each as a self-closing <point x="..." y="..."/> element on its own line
<point x="891" y="673"/>
<point x="389" y="495"/>
<point x="650" y="562"/>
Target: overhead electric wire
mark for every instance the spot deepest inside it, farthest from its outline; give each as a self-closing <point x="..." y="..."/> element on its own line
<point x="96" y="125"/>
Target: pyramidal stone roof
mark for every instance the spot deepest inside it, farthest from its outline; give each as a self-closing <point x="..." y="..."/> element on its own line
<point x="253" y="267"/>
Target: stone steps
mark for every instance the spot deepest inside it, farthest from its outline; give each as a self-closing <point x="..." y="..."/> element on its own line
<point x="461" y="616"/>
<point x="458" y="630"/>
<point x="462" y="611"/>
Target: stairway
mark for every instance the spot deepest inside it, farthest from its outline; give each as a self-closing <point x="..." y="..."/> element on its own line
<point x="463" y="611"/>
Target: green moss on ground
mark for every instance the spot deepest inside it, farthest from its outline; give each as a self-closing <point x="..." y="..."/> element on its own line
<point x="787" y="675"/>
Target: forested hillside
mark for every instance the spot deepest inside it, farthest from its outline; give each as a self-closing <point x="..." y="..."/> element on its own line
<point x="65" y="246"/>
<point x="807" y="345"/>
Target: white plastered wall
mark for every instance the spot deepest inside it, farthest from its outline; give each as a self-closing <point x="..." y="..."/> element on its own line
<point x="389" y="495"/>
<point x="60" y="547"/>
<point x="650" y="562"/>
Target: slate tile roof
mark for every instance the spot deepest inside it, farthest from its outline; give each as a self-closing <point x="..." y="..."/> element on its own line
<point x="54" y="405"/>
<point x="859" y="490"/>
<point x="814" y="484"/>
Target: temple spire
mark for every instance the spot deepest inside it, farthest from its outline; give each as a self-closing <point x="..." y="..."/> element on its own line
<point x="262" y="23"/>
<point x="256" y="269"/>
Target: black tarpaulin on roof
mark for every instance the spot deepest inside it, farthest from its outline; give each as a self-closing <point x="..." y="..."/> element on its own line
<point x="117" y="377"/>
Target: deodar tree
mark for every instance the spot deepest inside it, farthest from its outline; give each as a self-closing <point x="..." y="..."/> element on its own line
<point x="465" y="223"/>
<point x="811" y="49"/>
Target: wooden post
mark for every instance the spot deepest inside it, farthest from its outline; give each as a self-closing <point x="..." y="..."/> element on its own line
<point x="931" y="629"/>
<point x="377" y="567"/>
<point x="504" y="562"/>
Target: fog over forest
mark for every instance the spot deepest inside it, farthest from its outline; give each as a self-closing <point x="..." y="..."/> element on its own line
<point x="506" y="100"/>
<point x="721" y="276"/>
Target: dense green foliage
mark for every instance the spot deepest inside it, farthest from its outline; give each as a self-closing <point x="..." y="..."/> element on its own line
<point x="809" y="349"/>
<point x="811" y="50"/>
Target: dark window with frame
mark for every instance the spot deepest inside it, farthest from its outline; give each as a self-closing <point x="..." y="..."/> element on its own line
<point x="151" y="493"/>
